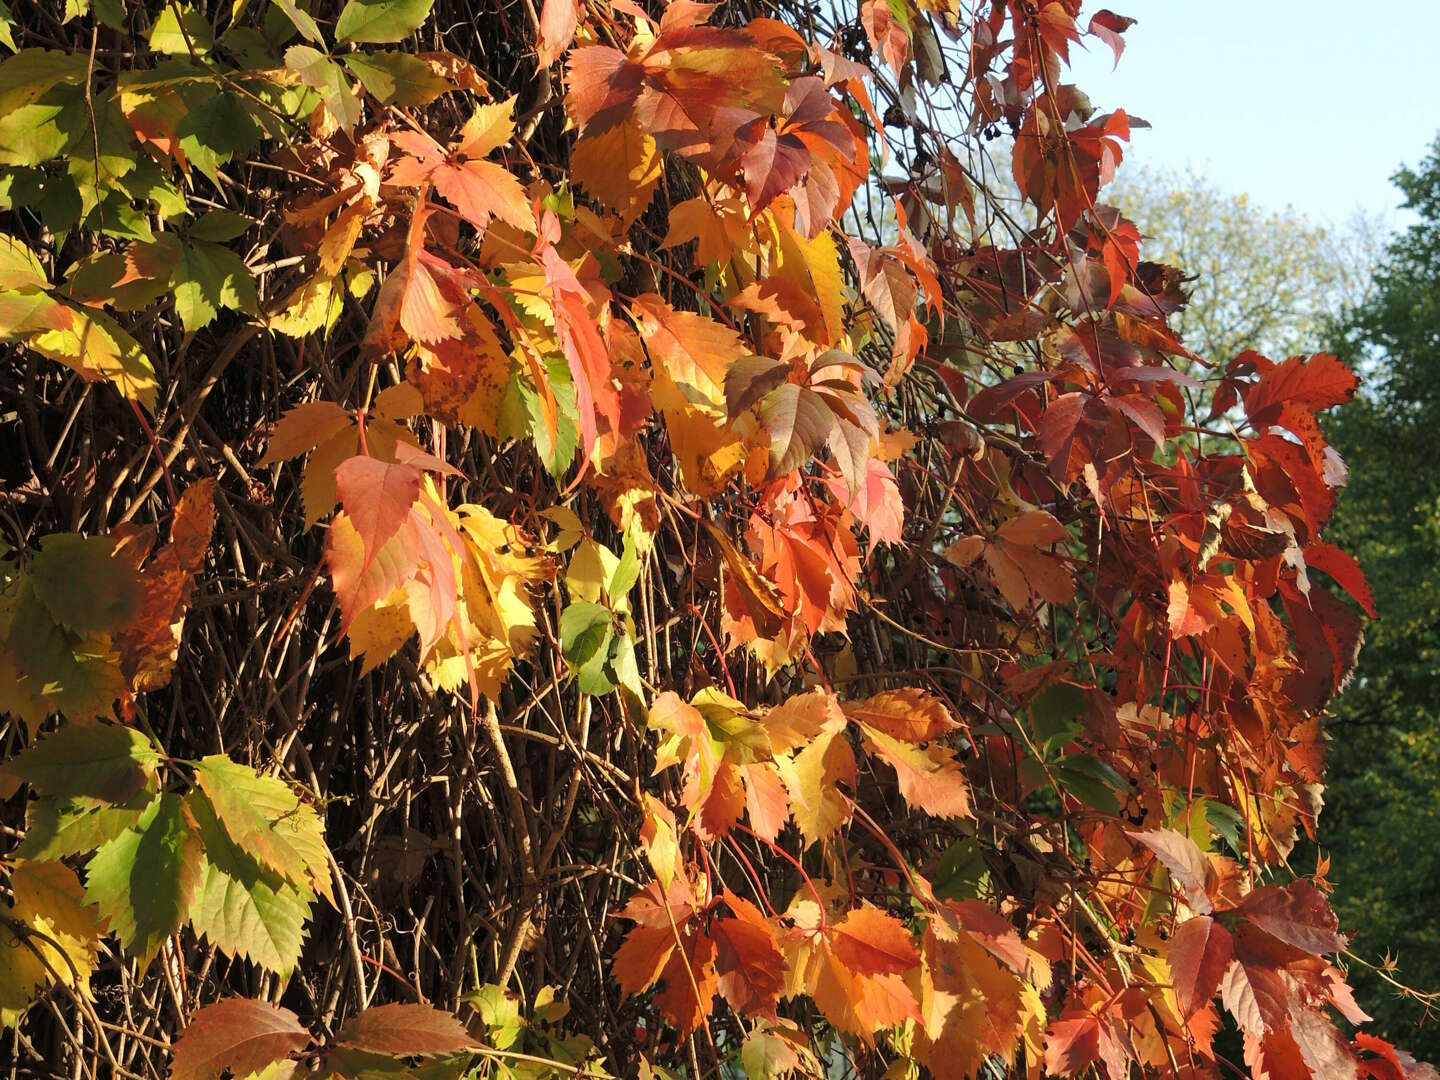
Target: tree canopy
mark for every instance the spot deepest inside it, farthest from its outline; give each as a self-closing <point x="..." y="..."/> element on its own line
<point x="1386" y="782"/>
<point x="1262" y="278"/>
<point x="588" y="539"/>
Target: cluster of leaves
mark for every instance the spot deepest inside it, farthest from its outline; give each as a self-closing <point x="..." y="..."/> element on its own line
<point x="610" y="398"/>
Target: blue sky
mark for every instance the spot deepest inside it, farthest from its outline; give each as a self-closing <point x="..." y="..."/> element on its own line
<point x="1312" y="104"/>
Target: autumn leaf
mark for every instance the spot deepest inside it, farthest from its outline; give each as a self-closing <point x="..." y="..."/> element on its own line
<point x="748" y="963"/>
<point x="239" y="1034"/>
<point x="871" y="942"/>
<point x="405" y="1030"/>
<point x="930" y="778"/>
<point x="267" y="821"/>
<point x="1189" y="870"/>
<point x="908" y="713"/>
<point x="1297" y="914"/>
<point x="1071" y="1043"/>
<point x="1199" y="954"/>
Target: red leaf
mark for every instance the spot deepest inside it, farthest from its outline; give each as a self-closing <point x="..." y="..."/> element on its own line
<point x="239" y="1034"/>
<point x="1256" y="996"/>
<point x="1323" y="1048"/>
<point x="1199" y="953"/>
<point x="377" y="496"/>
<point x="876" y="504"/>
<point x="580" y="340"/>
<point x="1316" y="383"/>
<point x="1071" y="1044"/>
<point x="557" y="29"/>
<point x="993" y="931"/>
<point x="1341" y="566"/>
<point x="1108" y="27"/>
<point x="1298" y="915"/>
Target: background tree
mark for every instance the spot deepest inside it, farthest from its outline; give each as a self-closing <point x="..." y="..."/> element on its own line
<point x="1264" y="279"/>
<point x="1385" y="763"/>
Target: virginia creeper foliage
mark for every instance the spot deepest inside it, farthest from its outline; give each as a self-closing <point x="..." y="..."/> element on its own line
<point x="592" y="538"/>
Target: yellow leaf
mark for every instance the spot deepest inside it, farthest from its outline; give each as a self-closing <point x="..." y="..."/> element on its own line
<point x="620" y="167"/>
<point x="592" y="565"/>
<point x="814" y="267"/>
<point x="313" y="306"/>
<point x="490" y="126"/>
<point x="693" y="351"/>
<point x="49" y="900"/>
<point x="95" y="347"/>
<point x="378" y="632"/>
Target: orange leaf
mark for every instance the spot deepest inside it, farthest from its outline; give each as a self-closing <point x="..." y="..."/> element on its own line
<point x="871" y="942"/>
<point x="748" y="961"/>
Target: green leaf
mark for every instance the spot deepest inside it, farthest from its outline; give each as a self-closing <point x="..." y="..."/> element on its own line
<point x="1090" y="780"/>
<point x="327" y="78"/>
<point x="31" y="73"/>
<point x="111" y="13"/>
<point x="7" y="27"/>
<point x="90" y="765"/>
<point x="522" y="413"/>
<point x="242" y="908"/>
<point x="210" y="277"/>
<point x="218" y="226"/>
<point x="102" y="277"/>
<point x="145" y="881"/>
<point x="627" y="572"/>
<point x="301" y="21"/>
<point x="95" y="346"/>
<point x="585" y="639"/>
<point x="54" y="829"/>
<point x="53" y="197"/>
<point x="380" y="22"/>
<point x="19" y="266"/>
<point x="584" y="630"/>
<point x="1054" y="716"/>
<point x="179" y="30"/>
<point x="37" y="132"/>
<point x="1225" y="820"/>
<point x="101" y="154"/>
<point x="396" y="78"/>
<point x="55" y="671"/>
<point x="83" y="586"/>
<point x="500" y="1013"/>
<point x="267" y="821"/>
<point x="960" y="872"/>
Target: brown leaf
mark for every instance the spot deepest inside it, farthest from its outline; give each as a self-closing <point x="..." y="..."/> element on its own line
<point x="405" y="1030"/>
<point x="239" y="1034"/>
<point x="798" y="421"/>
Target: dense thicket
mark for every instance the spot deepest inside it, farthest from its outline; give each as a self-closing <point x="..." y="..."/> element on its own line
<point x="573" y="538"/>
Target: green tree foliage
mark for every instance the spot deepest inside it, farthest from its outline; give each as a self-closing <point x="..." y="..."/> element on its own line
<point x="1384" y="798"/>
<point x="1268" y="280"/>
